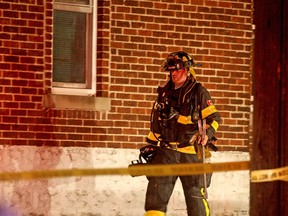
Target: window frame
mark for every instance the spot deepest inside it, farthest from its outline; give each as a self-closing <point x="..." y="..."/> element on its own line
<point x="89" y="88"/>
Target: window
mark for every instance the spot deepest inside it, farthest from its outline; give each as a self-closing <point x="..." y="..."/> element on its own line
<point x="74" y="37"/>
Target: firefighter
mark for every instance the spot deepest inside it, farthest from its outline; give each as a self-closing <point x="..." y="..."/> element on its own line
<point x="181" y="102"/>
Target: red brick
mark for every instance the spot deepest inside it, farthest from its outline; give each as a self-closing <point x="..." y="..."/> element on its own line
<point x="11" y="14"/>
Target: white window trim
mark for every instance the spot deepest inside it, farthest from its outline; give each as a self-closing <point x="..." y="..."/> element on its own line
<point x="91" y="91"/>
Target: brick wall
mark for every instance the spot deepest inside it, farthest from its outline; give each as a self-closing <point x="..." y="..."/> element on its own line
<point x="133" y="38"/>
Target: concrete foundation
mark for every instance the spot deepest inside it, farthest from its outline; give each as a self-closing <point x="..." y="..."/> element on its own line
<point x="110" y="195"/>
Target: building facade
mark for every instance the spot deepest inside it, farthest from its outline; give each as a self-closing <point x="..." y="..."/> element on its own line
<point x="83" y="73"/>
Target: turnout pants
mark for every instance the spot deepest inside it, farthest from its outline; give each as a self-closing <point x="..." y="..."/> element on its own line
<point x="159" y="189"/>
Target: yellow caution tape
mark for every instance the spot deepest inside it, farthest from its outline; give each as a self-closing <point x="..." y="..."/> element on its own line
<point x="155" y="170"/>
<point x="270" y="175"/>
<point x="135" y="170"/>
<point x="60" y="173"/>
<point x="186" y="169"/>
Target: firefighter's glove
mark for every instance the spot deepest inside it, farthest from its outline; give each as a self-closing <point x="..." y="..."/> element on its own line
<point x="198" y="138"/>
<point x="201" y="143"/>
<point x="197" y="142"/>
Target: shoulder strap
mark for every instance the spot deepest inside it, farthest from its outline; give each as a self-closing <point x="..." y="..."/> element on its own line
<point x="195" y="114"/>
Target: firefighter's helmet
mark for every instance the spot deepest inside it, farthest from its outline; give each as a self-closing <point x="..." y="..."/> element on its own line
<point x="179" y="60"/>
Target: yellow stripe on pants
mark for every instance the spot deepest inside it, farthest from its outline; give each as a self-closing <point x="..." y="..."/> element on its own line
<point x="154" y="213"/>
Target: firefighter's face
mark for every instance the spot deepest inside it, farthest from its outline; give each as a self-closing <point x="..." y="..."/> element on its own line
<point x="179" y="76"/>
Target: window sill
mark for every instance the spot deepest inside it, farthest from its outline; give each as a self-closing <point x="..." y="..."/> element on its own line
<point x="77" y="102"/>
